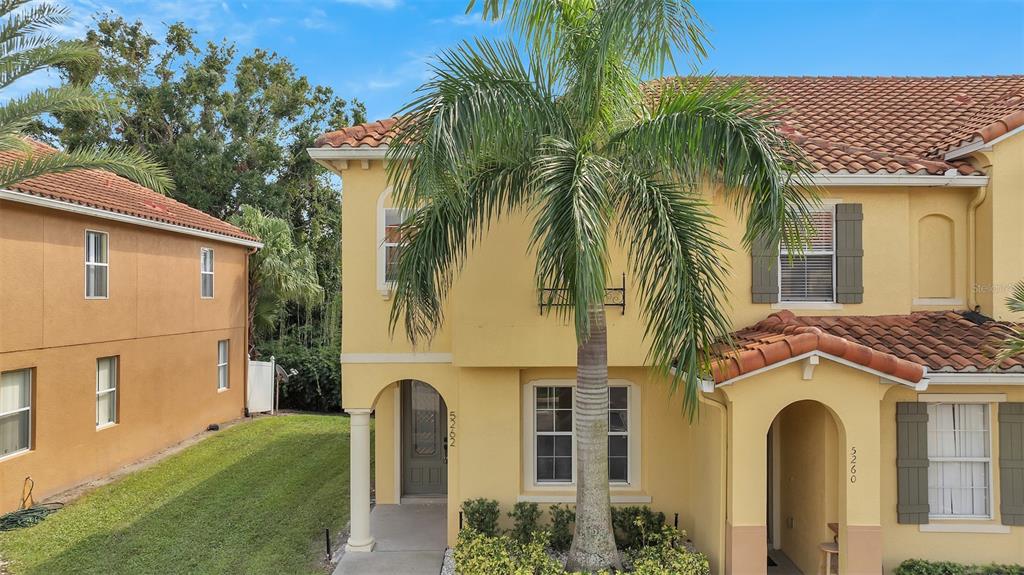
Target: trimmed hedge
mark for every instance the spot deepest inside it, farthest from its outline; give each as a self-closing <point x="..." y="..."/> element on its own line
<point x="922" y="567"/>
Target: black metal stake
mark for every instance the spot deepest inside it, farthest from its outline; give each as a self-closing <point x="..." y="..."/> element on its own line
<point x="327" y="536"/>
<point x="460" y="521"/>
<point x="677" y="521"/>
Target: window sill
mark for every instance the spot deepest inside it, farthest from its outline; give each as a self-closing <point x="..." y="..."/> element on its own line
<point x="18" y="453"/>
<point x="106" y="426"/>
<point x="96" y="297"/>
<point x="943" y="301"/>
<point x="622" y="498"/>
<point x="223" y="389"/>
<point x="963" y="526"/>
<point x="812" y="305"/>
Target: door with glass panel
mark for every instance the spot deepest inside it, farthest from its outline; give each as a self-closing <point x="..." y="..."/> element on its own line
<point x="424" y="440"/>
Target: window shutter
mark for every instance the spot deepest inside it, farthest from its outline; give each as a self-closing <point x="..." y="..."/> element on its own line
<point x="764" y="282"/>
<point x="849" y="253"/>
<point x="1011" y="463"/>
<point x="912" y="462"/>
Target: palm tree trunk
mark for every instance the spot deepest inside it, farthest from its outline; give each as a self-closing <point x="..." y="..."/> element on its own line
<point x="593" y="544"/>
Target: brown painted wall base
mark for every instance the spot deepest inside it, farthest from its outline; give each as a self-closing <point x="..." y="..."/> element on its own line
<point x="747" y="549"/>
<point x="863" y="550"/>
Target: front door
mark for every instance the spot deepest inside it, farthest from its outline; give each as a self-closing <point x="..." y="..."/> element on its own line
<point x="424" y="441"/>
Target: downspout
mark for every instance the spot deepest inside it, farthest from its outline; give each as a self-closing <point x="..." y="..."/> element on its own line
<point x="724" y="472"/>
<point x="972" y="246"/>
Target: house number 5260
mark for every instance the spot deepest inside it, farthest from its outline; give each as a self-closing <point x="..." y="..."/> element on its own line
<point x="853" y="464"/>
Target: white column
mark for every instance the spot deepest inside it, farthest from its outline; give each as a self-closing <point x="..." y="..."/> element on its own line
<point x="359" y="538"/>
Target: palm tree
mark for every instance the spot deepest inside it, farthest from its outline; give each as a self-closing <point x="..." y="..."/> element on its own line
<point x="1014" y="344"/>
<point x="25" y="48"/>
<point x="279" y="273"/>
<point x="563" y="130"/>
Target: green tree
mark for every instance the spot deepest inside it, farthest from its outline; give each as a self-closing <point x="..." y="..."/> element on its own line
<point x="26" y="48"/>
<point x="280" y="272"/>
<point x="1014" y="344"/>
<point x="563" y="131"/>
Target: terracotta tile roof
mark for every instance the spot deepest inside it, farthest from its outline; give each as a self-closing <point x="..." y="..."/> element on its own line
<point x="370" y="135"/>
<point x="855" y="125"/>
<point x="108" y="192"/>
<point x="902" y="346"/>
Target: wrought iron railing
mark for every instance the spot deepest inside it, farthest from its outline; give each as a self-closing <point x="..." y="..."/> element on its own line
<point x="557" y="297"/>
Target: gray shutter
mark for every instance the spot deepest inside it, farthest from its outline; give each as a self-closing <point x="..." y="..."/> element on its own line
<point x="764" y="281"/>
<point x="1011" y="463"/>
<point x="912" y="462"/>
<point x="849" y="253"/>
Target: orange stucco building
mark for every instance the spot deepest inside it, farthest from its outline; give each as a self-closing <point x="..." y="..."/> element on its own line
<point x="122" y="327"/>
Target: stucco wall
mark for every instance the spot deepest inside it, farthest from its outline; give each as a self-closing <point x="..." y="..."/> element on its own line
<point x="154" y="319"/>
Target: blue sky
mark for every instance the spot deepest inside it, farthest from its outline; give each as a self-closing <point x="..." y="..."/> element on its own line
<point x="378" y="50"/>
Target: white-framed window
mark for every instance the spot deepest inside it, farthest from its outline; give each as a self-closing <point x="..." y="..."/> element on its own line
<point x="106" y="391"/>
<point x="391" y="244"/>
<point x="809" y="276"/>
<point x="206" y="272"/>
<point x="550" y="443"/>
<point x="97" y="265"/>
<point x="15" y="412"/>
<point x="223" y="347"/>
<point x="959" y="460"/>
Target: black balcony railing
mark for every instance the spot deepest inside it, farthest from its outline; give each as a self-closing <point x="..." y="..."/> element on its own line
<point x="555" y="297"/>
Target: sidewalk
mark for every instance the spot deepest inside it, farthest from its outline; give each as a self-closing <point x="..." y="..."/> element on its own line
<point x="410" y="540"/>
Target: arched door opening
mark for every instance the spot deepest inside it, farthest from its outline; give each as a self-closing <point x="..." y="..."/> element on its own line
<point x="803" y="480"/>
<point x="424" y="441"/>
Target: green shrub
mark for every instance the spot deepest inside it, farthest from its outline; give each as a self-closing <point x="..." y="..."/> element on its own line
<point x="922" y="567"/>
<point x="479" y="554"/>
<point x="524" y="521"/>
<point x="659" y="553"/>
<point x="630" y="524"/>
<point x="482" y="515"/>
<point x="562" y="520"/>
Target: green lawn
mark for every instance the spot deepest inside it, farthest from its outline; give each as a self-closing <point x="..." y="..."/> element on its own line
<point x="252" y="499"/>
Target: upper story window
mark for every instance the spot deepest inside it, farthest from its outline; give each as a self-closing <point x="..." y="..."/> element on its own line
<point x="222" y="364"/>
<point x="554" y="442"/>
<point x="106" y="391"/>
<point x="810" y="276"/>
<point x="97" y="267"/>
<point x="391" y="245"/>
<point x="15" y="411"/>
<point x="959" y="460"/>
<point x="206" y="272"/>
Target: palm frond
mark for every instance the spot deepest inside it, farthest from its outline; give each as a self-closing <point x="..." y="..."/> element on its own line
<point x="28" y="55"/>
<point x="674" y="253"/>
<point x="18" y="113"/>
<point x="1016" y="300"/>
<point x="573" y="221"/>
<point x="21" y="21"/>
<point x="129" y="164"/>
<point x="701" y="133"/>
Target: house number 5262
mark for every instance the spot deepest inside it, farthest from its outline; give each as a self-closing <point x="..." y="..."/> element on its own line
<point x="853" y="464"/>
<point x="451" y="429"/>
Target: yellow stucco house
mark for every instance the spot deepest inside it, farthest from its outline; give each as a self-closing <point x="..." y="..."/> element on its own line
<point x="863" y="393"/>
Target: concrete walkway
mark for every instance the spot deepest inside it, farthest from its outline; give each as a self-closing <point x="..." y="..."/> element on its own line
<point x="410" y="540"/>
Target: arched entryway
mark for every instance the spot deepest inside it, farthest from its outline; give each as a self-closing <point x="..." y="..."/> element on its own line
<point x="804" y="486"/>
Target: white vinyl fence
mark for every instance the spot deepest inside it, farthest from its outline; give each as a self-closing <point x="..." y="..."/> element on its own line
<point x="261" y="386"/>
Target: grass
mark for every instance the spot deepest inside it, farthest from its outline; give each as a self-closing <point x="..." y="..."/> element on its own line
<point x="252" y="499"/>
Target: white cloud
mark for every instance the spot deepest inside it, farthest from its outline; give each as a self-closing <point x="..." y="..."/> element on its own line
<point x="472" y="19"/>
<point x="317" y="20"/>
<point x="377" y="4"/>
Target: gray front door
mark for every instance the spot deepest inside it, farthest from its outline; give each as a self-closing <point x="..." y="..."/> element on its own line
<point x="424" y="440"/>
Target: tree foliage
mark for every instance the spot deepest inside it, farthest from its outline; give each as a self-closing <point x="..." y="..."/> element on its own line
<point x="233" y="130"/>
<point x="25" y="48"/>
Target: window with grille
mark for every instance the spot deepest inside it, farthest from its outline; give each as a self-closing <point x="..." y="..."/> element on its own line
<point x="554" y="440"/>
<point x="959" y="460"/>
<point x="97" y="267"/>
<point x="15" y="411"/>
<point x="809" y="276"/>
<point x="393" y="242"/>
<point x="206" y="272"/>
